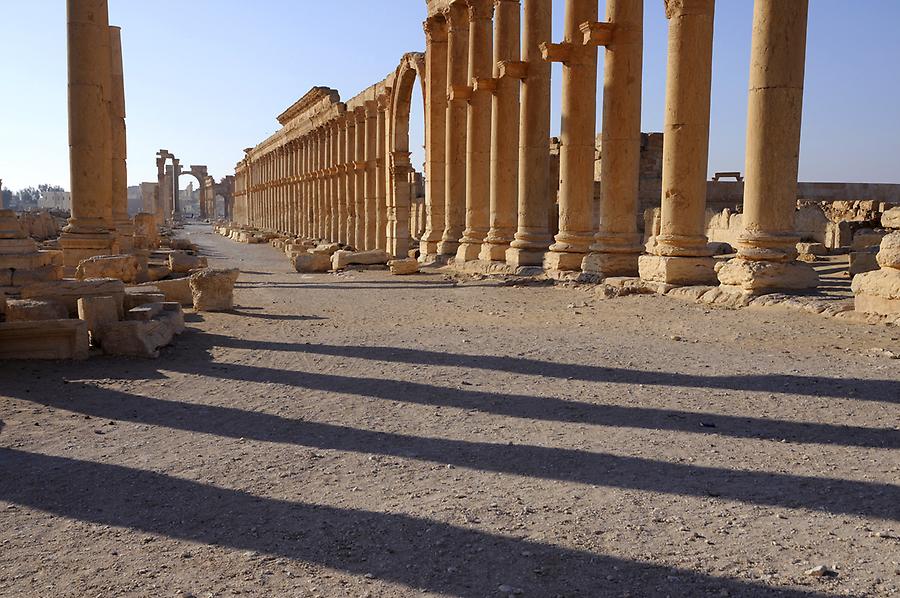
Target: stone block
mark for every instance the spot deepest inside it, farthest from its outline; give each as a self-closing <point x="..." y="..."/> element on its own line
<point x="67" y="291"/>
<point x="404" y="267"/>
<point x="681" y="271"/>
<point x="182" y="263"/>
<point x="862" y="261"/>
<point x="213" y="290"/>
<point x="22" y="278"/>
<point x="98" y="313"/>
<point x="342" y="259"/>
<point x="31" y="310"/>
<point x="46" y="339"/>
<point x="891" y="218"/>
<point x="877" y="292"/>
<point x="137" y="338"/>
<point x="135" y="297"/>
<point x="177" y="290"/>
<point x="182" y="245"/>
<point x="610" y="264"/>
<point x="866" y="237"/>
<point x="121" y="267"/>
<point x="157" y="271"/>
<point x="812" y="249"/>
<point x="759" y="276"/>
<point x="6" y="275"/>
<point x="328" y="249"/>
<point x="888" y="255"/>
<point x="311" y="262"/>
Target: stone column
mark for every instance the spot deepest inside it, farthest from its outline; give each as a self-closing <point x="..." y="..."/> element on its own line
<point x="435" y="135"/>
<point x="324" y="218"/>
<point x="533" y="235"/>
<point x="680" y="254"/>
<point x="161" y="211"/>
<point x="333" y="133"/>
<point x="306" y="198"/>
<point x="121" y="220"/>
<point x="478" y="130"/>
<point x="350" y="181"/>
<point x="767" y="248"/>
<point x="359" y="165"/>
<point x="370" y="156"/>
<point x="579" y="123"/>
<point x="457" y="106"/>
<point x="88" y="232"/>
<point x="341" y="178"/>
<point x="398" y="210"/>
<point x="381" y="179"/>
<point x="176" y="195"/>
<point x="617" y="243"/>
<point x="507" y="74"/>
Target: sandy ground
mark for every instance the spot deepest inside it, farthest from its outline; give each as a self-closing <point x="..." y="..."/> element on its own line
<point x="367" y="435"/>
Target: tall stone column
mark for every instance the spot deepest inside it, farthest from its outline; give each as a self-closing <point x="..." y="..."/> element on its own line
<point x="306" y="199"/>
<point x="617" y="243"/>
<point x="399" y="208"/>
<point x="176" y="195"/>
<point x="507" y="74"/>
<point x="381" y="178"/>
<point x="350" y="182"/>
<point x="359" y="165"/>
<point x="122" y="222"/>
<point x="478" y="130"/>
<point x="370" y="153"/>
<point x="324" y="217"/>
<point x="579" y="123"/>
<point x="161" y="211"/>
<point x="88" y="232"/>
<point x="457" y="107"/>
<point x="680" y="254"/>
<point x="533" y="233"/>
<point x="767" y="248"/>
<point x="341" y="178"/>
<point x="334" y="209"/>
<point x="435" y="135"/>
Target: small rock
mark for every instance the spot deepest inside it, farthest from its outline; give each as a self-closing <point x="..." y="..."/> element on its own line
<point x="821" y="571"/>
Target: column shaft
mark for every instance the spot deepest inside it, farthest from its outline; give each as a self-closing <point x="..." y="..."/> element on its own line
<point x="359" y="165"/>
<point x="381" y="179"/>
<point x="370" y="156"/>
<point x="435" y="134"/>
<point x="350" y="181"/>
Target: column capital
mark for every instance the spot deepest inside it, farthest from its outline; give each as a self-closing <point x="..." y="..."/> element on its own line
<point x="371" y="109"/>
<point x="384" y="101"/>
<point x="436" y="29"/>
<point x="360" y="114"/>
<point x="681" y="8"/>
<point x="481" y="10"/>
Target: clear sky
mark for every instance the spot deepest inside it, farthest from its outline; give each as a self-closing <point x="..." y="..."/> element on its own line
<point x="206" y="78"/>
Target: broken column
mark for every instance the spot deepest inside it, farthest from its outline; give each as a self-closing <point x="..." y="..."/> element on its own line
<point x="478" y="130"/>
<point x="767" y="248"/>
<point x="533" y="235"/>
<point x="680" y="253"/>
<point x="90" y="155"/>
<point x="617" y="243"/>
<point x="121" y="221"/>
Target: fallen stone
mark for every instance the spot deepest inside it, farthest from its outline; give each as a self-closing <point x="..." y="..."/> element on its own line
<point x="46" y="339"/>
<point x="67" y="292"/>
<point x="759" y="276"/>
<point x="877" y="292"/>
<point x="137" y="296"/>
<point x="812" y="249"/>
<point x="182" y="263"/>
<point x="342" y="259"/>
<point x="863" y="261"/>
<point x="121" y="267"/>
<point x="328" y="249"/>
<point x="22" y="278"/>
<point x="98" y="313"/>
<point x="891" y="218"/>
<point x="31" y="310"/>
<point x="175" y="289"/>
<point x="820" y="571"/>
<point x="866" y="237"/>
<point x="158" y="272"/>
<point x="213" y="290"/>
<point x="888" y="255"/>
<point x="182" y="245"/>
<point x="404" y="267"/>
<point x="311" y="262"/>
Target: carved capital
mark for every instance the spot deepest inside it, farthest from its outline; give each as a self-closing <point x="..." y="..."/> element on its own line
<point x="481" y="10"/>
<point x="360" y="114"/>
<point x="384" y="101"/>
<point x="436" y="29"/>
<point x="371" y="109"/>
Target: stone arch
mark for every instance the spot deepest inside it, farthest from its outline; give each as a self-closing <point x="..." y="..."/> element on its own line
<point x="411" y="68"/>
<point x="199" y="173"/>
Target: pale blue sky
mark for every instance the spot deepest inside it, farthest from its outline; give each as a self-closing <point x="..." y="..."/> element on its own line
<point x="206" y="78"/>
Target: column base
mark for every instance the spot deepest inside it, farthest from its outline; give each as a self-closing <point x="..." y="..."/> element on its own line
<point x="428" y="247"/>
<point x="611" y="264"/>
<point x="493" y="252"/>
<point x="682" y="271"/>
<point x="525" y="258"/>
<point x="468" y="251"/>
<point x="878" y="292"/>
<point x="563" y="260"/>
<point x="759" y="276"/>
<point x="81" y="246"/>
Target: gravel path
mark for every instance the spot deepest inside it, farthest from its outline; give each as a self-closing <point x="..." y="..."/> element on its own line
<point x="366" y="435"/>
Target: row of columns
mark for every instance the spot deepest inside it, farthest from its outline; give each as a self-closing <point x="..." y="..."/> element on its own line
<point x="328" y="184"/>
<point x="99" y="223"/>
<point x="485" y="97"/>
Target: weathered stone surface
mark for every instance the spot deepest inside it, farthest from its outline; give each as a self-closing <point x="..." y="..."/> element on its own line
<point x="67" y="291"/>
<point x="756" y="276"/>
<point x="863" y="261"/>
<point x="21" y="278"/>
<point x="137" y="338"/>
<point x="46" y="339"/>
<point x="121" y="267"/>
<point x="30" y="310"/>
<point x="812" y="249"/>
<point x="677" y="270"/>
<point x="342" y="259"/>
<point x="182" y="263"/>
<point x="311" y="262"/>
<point x="213" y="290"/>
<point x="157" y="271"/>
<point x="404" y="267"/>
<point x="889" y="254"/>
<point x="891" y="218"/>
<point x="98" y="313"/>
<point x="877" y="292"/>
<point x="135" y="297"/>
<point x="182" y="245"/>
<point x="866" y="237"/>
<point x="175" y="289"/>
<point x="326" y="249"/>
